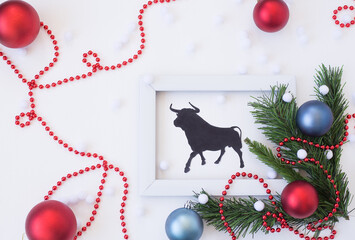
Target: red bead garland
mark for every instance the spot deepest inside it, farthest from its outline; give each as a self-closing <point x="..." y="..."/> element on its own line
<point x="279" y="216"/>
<point x="335" y="17"/>
<point x="94" y="66"/>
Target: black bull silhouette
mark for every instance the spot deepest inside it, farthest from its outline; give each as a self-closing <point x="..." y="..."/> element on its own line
<point x="202" y="136"/>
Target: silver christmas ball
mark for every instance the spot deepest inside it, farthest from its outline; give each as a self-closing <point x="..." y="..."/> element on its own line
<point x="184" y="224"/>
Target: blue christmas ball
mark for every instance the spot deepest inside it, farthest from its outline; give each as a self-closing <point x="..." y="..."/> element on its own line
<point x="314" y="118"/>
<point x="184" y="224"/>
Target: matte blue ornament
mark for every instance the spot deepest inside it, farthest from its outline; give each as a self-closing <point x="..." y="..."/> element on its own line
<point x="314" y="118"/>
<point x="184" y="224"/>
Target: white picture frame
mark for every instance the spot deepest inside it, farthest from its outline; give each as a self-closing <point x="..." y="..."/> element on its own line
<point x="149" y="185"/>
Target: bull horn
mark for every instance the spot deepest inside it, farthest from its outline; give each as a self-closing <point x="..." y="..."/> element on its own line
<point x="196" y="109"/>
<point x="173" y="110"/>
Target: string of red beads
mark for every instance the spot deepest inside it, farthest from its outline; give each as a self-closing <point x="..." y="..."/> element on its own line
<point x="335" y="17"/>
<point x="94" y="66"/>
<point x="278" y="215"/>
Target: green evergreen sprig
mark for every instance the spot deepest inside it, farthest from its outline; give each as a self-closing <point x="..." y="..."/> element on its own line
<point x="277" y="120"/>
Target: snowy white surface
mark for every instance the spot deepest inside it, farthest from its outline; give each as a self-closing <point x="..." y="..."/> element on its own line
<point x="183" y="37"/>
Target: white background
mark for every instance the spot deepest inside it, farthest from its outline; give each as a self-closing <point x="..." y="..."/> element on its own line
<point x="84" y="112"/>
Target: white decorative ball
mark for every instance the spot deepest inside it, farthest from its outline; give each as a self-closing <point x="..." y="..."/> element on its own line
<point x="24" y="104"/>
<point x="351" y="137"/>
<point x="90" y="199"/>
<point x="73" y="200"/>
<point x="303" y="39"/>
<point x="82" y="195"/>
<point x="79" y="224"/>
<point x="22" y="51"/>
<point x="191" y="48"/>
<point x="300" y="31"/>
<point x="329" y="154"/>
<point x="140" y="211"/>
<point x="221" y="99"/>
<point x="109" y="191"/>
<point x="116" y="104"/>
<point x="337" y="33"/>
<point x="324" y="90"/>
<point x="242" y="69"/>
<point x="68" y="36"/>
<point x="203" y="198"/>
<point x="262" y="58"/>
<point x="163" y="165"/>
<point x="275" y="69"/>
<point x="148" y="79"/>
<point x="218" y="20"/>
<point x="245" y="43"/>
<point x="272" y="174"/>
<point x="132" y="26"/>
<point x="82" y="147"/>
<point x="301" y="154"/>
<point x="169" y="18"/>
<point x="259" y="206"/>
<point x="287" y="97"/>
<point x="243" y="34"/>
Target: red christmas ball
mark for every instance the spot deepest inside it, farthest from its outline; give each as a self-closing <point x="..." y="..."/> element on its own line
<point x="19" y="24"/>
<point x="51" y="220"/>
<point x="299" y="199"/>
<point x="271" y="15"/>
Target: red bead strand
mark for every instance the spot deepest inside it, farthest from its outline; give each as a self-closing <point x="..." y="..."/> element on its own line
<point x="94" y="66"/>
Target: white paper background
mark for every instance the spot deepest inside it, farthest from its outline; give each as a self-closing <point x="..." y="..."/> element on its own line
<point x="82" y="111"/>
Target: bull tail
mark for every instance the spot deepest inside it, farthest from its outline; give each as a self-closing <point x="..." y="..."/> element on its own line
<point x="240" y="135"/>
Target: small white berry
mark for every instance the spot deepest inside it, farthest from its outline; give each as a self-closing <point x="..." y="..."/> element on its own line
<point x="169" y="18"/>
<point x="218" y="20"/>
<point x="275" y="69"/>
<point x="163" y="165"/>
<point x="82" y="147"/>
<point x="271" y="174"/>
<point x="68" y="36"/>
<point x="324" y="90"/>
<point x="245" y="43"/>
<point x="191" y="48"/>
<point x="302" y="154"/>
<point x="140" y="211"/>
<point x="337" y="33"/>
<point x="22" y="51"/>
<point x="109" y="191"/>
<point x="79" y="223"/>
<point x="82" y="195"/>
<point x="259" y="206"/>
<point x="287" y="97"/>
<point x="90" y="199"/>
<point x="262" y="58"/>
<point x="203" y="198"/>
<point x="116" y="104"/>
<point x="329" y="154"/>
<point x="221" y="99"/>
<point x="242" y="69"/>
<point x="303" y="39"/>
<point x="351" y="137"/>
<point x="148" y="79"/>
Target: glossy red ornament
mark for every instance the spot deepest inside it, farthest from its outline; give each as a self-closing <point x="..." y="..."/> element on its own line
<point x="51" y="220"/>
<point x="271" y="15"/>
<point x="299" y="199"/>
<point x="19" y="24"/>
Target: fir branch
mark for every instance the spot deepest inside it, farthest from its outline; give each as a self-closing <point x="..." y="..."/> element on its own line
<point x="277" y="120"/>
